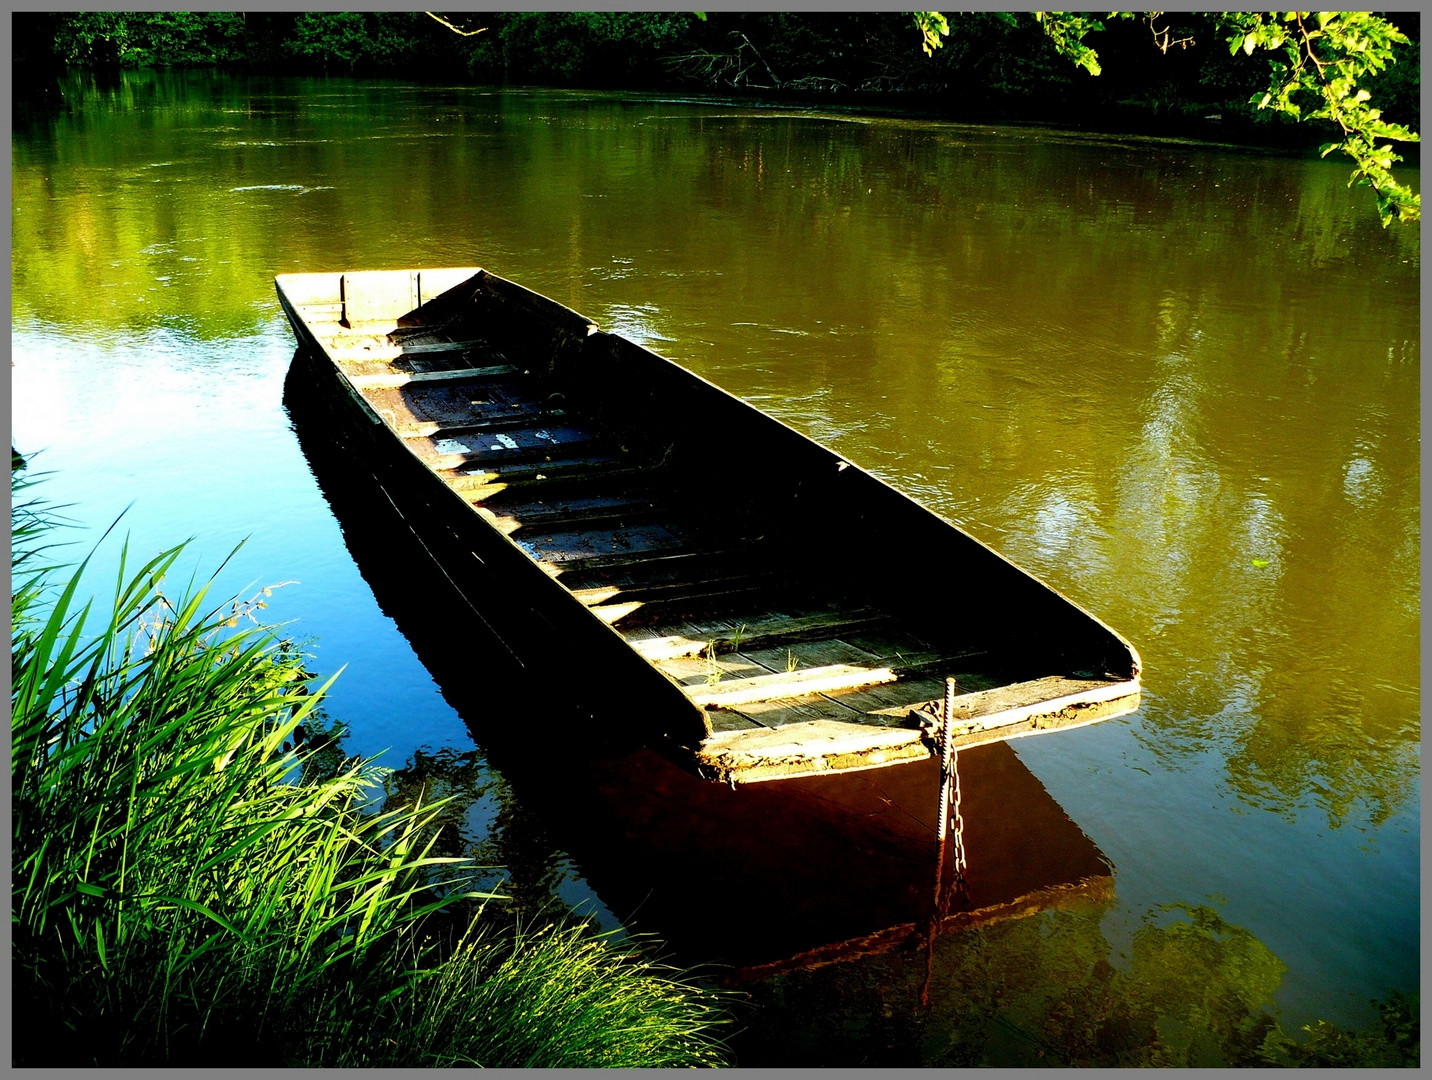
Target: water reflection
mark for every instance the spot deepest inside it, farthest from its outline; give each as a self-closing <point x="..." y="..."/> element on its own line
<point x="1191" y="990"/>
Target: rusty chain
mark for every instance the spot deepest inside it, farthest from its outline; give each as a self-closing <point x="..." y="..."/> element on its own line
<point x="950" y="804"/>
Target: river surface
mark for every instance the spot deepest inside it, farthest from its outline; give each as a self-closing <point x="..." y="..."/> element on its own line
<point x="1177" y="382"/>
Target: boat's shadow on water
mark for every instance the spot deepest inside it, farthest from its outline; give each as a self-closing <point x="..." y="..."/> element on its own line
<point x="766" y="877"/>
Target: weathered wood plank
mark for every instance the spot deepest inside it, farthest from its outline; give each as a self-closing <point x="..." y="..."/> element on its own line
<point x="758" y="635"/>
<point x="1017" y="702"/>
<point x="507" y="447"/>
<point x="583" y="545"/>
<point x="614" y="613"/>
<point x="371" y="343"/>
<point x="698" y="671"/>
<point x="882" y="641"/>
<point x="814" y="746"/>
<point x="823" y="652"/>
<point x="534" y="474"/>
<point x="907" y="659"/>
<point x="381" y="295"/>
<point x="435" y="429"/>
<point x="890" y="703"/>
<point x="798" y="748"/>
<point x="726" y="720"/>
<point x="666" y="559"/>
<point x="790" y="684"/>
<point x="650" y="578"/>
<point x="562" y="515"/>
<point x="426" y="410"/>
<point x="672" y="594"/>
<point x="700" y="598"/>
<point x="779" y="712"/>
<point x="395" y="379"/>
<point x="409" y="347"/>
<point x="551" y="478"/>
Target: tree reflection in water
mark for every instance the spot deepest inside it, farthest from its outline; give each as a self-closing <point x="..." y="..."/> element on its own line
<point x="1189" y="989"/>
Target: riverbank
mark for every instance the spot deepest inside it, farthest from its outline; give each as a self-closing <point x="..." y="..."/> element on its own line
<point x="202" y="875"/>
<point x="992" y="68"/>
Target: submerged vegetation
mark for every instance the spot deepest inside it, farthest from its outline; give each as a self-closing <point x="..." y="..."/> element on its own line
<point x="198" y="877"/>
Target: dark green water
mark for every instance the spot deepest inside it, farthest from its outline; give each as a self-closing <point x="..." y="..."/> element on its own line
<point x="1179" y="383"/>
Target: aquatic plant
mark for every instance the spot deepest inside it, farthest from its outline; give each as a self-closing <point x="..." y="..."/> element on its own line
<point x="191" y="884"/>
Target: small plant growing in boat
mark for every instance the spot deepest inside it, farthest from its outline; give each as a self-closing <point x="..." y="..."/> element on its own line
<point x="715" y="645"/>
<point x="791" y="661"/>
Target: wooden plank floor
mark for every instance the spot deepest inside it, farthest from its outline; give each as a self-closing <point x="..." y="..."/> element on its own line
<point x="719" y="612"/>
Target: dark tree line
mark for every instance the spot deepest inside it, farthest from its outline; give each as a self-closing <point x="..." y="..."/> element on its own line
<point x="992" y="66"/>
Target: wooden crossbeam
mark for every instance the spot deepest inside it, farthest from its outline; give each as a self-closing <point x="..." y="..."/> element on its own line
<point x="757" y="635"/>
<point x="1013" y="704"/>
<point x="364" y="345"/>
<point x="427" y="429"/>
<point x="821" y="680"/>
<point x="561" y="518"/>
<point x="392" y="380"/>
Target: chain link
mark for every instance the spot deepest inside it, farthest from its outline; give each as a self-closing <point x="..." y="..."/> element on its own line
<point x="949" y="803"/>
<point x="950" y="807"/>
<point x="961" y="883"/>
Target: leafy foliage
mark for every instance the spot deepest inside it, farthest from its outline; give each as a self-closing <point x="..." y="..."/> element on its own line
<point x="596" y="48"/>
<point x="1318" y="77"/>
<point x="1323" y="61"/>
<point x="933" y="26"/>
<point x="358" y="41"/>
<point x="198" y="877"/>
<point x="1067" y="29"/>
<point x="135" y="39"/>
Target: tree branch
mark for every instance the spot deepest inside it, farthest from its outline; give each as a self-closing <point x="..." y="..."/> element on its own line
<point x="454" y="29"/>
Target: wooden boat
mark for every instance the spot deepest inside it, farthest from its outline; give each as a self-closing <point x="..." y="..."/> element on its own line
<point x="579" y="488"/>
<point x="847" y="878"/>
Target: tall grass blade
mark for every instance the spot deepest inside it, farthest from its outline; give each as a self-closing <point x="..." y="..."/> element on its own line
<point x="186" y="889"/>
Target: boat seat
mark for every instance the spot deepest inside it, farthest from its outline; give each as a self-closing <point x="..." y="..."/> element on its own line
<point x="378" y="295"/>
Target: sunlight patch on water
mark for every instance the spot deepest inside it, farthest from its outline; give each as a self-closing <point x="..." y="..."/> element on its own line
<point x="300" y="188"/>
<point x="1361" y="482"/>
<point x="636" y="323"/>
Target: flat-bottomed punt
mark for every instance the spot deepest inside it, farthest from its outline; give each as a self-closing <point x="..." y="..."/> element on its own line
<point x="750" y="602"/>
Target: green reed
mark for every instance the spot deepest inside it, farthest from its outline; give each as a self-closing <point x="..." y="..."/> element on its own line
<point x="185" y="891"/>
